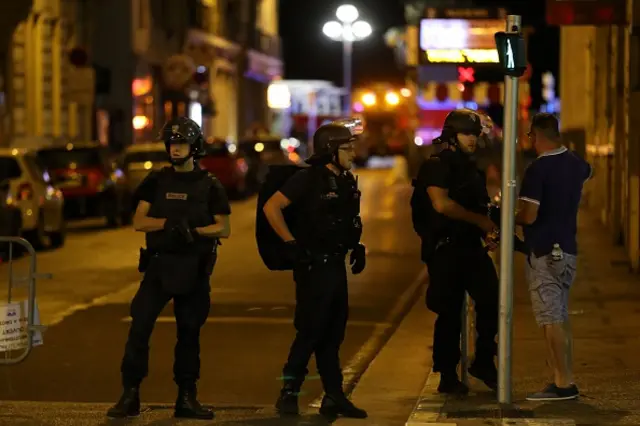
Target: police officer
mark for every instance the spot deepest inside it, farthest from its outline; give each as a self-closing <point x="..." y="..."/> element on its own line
<point x="183" y="212"/>
<point x="456" y="223"/>
<point x="327" y="227"/>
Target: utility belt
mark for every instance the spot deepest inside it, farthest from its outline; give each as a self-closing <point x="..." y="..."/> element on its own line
<point x="205" y="265"/>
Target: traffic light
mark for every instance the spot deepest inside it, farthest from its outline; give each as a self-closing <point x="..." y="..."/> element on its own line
<point x="512" y="53"/>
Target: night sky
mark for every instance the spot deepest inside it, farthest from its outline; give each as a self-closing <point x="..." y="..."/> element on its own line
<point x="309" y="54"/>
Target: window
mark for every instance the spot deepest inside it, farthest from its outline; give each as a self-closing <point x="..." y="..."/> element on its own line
<point x="9" y="168"/>
<point x="63" y="159"/>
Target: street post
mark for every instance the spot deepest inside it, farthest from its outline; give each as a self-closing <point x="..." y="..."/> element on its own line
<point x="512" y="55"/>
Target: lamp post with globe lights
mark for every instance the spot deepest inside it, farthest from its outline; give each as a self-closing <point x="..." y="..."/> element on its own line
<point x="348" y="30"/>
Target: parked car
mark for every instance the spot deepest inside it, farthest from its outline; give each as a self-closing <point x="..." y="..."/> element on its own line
<point x="90" y="181"/>
<point x="10" y="220"/>
<point x="141" y="159"/>
<point x="228" y="165"/>
<point x="30" y="190"/>
<point x="260" y="153"/>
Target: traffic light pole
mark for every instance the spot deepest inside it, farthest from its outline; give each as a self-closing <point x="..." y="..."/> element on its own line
<point x="505" y="333"/>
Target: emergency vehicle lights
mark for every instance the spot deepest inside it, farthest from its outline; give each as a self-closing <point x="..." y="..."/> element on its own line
<point x="457" y="56"/>
<point x="392" y="98"/>
<point x="369" y="99"/>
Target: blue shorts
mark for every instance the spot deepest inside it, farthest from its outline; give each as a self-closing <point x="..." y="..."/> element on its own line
<point x="549" y="283"/>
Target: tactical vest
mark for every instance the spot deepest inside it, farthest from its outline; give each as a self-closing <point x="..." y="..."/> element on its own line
<point x="181" y="195"/>
<point x="468" y="188"/>
<point x="329" y="222"/>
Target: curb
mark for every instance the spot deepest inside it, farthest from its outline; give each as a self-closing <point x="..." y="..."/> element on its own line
<point x="381" y="335"/>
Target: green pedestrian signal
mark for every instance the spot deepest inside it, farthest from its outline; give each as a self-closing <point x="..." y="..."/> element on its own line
<point x="512" y="53"/>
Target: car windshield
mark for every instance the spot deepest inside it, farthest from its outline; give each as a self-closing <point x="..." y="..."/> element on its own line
<point x="144" y="156"/>
<point x="219" y="149"/>
<point x="76" y="158"/>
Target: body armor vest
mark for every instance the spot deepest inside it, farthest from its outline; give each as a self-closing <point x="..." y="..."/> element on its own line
<point x="468" y="188"/>
<point x="182" y="195"/>
<point x="330" y="220"/>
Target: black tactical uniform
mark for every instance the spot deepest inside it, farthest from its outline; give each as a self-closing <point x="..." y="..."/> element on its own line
<point x="328" y="225"/>
<point x="177" y="265"/>
<point x="456" y="258"/>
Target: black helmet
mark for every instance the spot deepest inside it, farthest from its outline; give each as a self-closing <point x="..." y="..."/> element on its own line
<point x="183" y="130"/>
<point x="464" y="121"/>
<point x="328" y="138"/>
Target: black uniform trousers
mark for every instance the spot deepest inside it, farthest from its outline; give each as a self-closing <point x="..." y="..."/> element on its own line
<point x="453" y="270"/>
<point x="322" y="310"/>
<point x="191" y="310"/>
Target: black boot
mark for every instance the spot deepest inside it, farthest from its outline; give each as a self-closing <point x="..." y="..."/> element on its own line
<point x="337" y="404"/>
<point x="128" y="405"/>
<point x="287" y="403"/>
<point x="451" y="384"/>
<point x="188" y="407"/>
<point x="486" y="372"/>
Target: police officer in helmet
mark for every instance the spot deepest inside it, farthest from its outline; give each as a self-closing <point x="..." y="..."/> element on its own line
<point x="183" y="212"/>
<point x="326" y="229"/>
<point x="456" y="223"/>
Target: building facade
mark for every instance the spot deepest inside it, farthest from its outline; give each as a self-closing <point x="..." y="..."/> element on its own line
<point x="600" y="119"/>
<point x="42" y="101"/>
<point x="211" y="60"/>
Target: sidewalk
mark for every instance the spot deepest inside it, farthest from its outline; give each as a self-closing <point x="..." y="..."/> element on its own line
<point x="605" y="312"/>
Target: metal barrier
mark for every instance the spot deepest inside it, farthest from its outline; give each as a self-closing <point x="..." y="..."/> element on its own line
<point x="467" y="337"/>
<point x="30" y="281"/>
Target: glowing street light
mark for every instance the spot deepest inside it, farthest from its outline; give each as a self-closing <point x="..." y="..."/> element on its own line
<point x="348" y="30"/>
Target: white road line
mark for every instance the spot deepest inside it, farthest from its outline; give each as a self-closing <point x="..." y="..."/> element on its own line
<point x="125" y="293"/>
<point x="260" y="320"/>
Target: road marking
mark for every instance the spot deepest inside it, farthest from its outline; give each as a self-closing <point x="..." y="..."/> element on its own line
<point x="125" y="293"/>
<point x="360" y="361"/>
<point x="260" y="320"/>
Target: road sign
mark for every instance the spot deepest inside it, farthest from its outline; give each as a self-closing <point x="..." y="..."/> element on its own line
<point x="512" y="53"/>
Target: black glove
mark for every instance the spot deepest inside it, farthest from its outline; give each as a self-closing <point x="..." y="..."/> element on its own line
<point x="298" y="254"/>
<point x="179" y="231"/>
<point x="358" y="259"/>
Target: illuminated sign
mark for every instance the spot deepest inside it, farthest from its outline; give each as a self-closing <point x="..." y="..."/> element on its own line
<point x="459" y="56"/>
<point x="465" y="13"/>
<point x="465" y="75"/>
<point x="512" y="55"/>
<point x="459" y="33"/>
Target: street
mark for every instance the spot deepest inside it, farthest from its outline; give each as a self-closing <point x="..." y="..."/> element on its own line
<point x="247" y="335"/>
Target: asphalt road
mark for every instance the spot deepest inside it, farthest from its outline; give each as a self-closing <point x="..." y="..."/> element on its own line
<point x="248" y="332"/>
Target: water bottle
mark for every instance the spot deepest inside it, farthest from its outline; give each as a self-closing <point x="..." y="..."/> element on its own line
<point x="557" y="253"/>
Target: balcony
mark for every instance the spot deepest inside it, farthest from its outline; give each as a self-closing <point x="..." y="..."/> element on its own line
<point x="266" y="44"/>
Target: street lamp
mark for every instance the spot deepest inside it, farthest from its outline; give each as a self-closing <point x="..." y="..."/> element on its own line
<point x="348" y="30"/>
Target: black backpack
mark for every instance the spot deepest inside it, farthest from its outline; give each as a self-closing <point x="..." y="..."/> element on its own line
<point x="420" y="211"/>
<point x="272" y="249"/>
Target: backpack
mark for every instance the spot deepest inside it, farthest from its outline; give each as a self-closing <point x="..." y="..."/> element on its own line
<point x="274" y="251"/>
<point x="420" y="208"/>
